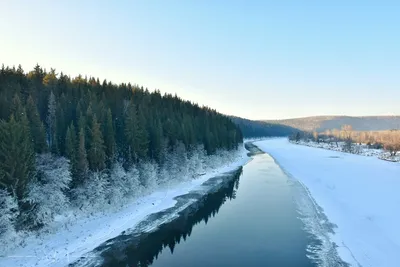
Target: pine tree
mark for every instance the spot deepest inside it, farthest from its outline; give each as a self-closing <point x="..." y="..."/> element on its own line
<point x="97" y="154"/>
<point x="51" y="123"/>
<point x="61" y="128"/>
<point x="155" y="140"/>
<point x="109" y="140"/>
<point x="17" y="159"/>
<point x="17" y="109"/>
<point x="70" y="150"/>
<point x="82" y="166"/>
<point x="135" y="135"/>
<point x="36" y="126"/>
<point x="70" y="142"/>
<point x="142" y="137"/>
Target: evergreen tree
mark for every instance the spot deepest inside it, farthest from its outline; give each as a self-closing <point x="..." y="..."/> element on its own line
<point x="60" y="130"/>
<point x="82" y="166"/>
<point x="70" y="150"/>
<point x="51" y="123"/>
<point x="97" y="154"/>
<point x="36" y="126"/>
<point x="108" y="132"/>
<point x="17" y="161"/>
<point x="142" y="136"/>
<point x="155" y="140"/>
<point x="135" y="135"/>
<point x="17" y="109"/>
<point x="70" y="142"/>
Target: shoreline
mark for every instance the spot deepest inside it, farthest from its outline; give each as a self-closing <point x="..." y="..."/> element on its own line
<point x="69" y="243"/>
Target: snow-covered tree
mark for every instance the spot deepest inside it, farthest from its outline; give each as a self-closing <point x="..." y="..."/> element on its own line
<point x="47" y="193"/>
<point x="197" y="157"/>
<point x="133" y="183"/>
<point x="8" y="214"/>
<point x="177" y="162"/>
<point x="148" y="175"/>
<point x="117" y="185"/>
<point x="123" y="185"/>
<point x="163" y="177"/>
<point x="92" y="194"/>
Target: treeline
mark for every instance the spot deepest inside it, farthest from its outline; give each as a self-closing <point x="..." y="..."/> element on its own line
<point x="388" y="140"/>
<point x="96" y="126"/>
<point x="251" y="129"/>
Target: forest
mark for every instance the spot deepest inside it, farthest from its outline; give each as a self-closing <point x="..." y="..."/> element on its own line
<point x="81" y="142"/>
<point x="254" y="129"/>
<point x="388" y="140"/>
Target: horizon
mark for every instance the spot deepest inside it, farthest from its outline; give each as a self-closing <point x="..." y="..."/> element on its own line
<point x="259" y="61"/>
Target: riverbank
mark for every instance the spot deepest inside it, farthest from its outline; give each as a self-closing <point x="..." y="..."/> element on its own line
<point x="358" y="149"/>
<point x="358" y="194"/>
<point x="75" y="239"/>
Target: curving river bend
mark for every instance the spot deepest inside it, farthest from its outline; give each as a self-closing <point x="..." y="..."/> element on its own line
<point x="256" y="216"/>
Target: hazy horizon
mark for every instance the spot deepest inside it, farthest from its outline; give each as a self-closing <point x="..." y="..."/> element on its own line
<point x="256" y="60"/>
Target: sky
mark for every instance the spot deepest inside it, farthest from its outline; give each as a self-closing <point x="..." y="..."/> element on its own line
<point x="254" y="59"/>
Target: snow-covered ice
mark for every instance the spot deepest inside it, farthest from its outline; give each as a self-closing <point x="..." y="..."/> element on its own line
<point x="359" y="194"/>
<point x="71" y="242"/>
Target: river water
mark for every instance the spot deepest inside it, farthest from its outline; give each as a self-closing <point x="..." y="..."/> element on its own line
<point x="255" y="216"/>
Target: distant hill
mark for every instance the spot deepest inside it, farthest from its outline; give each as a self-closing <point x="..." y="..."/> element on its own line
<point x="322" y="123"/>
<point x="252" y="128"/>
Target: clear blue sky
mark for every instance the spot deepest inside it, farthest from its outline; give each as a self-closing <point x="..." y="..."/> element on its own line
<point x="255" y="59"/>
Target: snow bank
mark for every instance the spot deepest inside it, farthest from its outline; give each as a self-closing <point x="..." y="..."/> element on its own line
<point x="362" y="149"/>
<point x="359" y="194"/>
<point x="79" y="237"/>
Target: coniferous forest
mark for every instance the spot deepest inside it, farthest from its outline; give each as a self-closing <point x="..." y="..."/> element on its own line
<point x="70" y="141"/>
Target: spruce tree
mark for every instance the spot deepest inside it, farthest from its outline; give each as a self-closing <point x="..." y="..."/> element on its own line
<point x="155" y="139"/>
<point x="71" y="151"/>
<point x="17" y="109"/>
<point x="82" y="166"/>
<point x="61" y="128"/>
<point x="96" y="154"/>
<point x="17" y="158"/>
<point x="51" y="123"/>
<point x="142" y="136"/>
<point x="130" y="133"/>
<point x="70" y="142"/>
<point x="135" y="134"/>
<point x="109" y="139"/>
<point x="36" y="126"/>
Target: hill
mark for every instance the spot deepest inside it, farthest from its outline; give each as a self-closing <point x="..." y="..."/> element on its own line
<point x="322" y="123"/>
<point x="252" y="128"/>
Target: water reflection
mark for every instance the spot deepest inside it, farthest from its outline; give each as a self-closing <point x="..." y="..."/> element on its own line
<point x="142" y="249"/>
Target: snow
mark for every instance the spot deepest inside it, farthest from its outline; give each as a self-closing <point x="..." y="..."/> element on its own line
<point x="72" y="240"/>
<point x="359" y="194"/>
<point x="357" y="149"/>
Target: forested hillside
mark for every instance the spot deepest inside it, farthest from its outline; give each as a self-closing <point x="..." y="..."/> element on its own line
<point x="323" y="123"/>
<point x="252" y="128"/>
<point x="81" y="142"/>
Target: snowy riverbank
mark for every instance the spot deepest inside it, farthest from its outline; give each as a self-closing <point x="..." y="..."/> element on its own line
<point x="359" y="194"/>
<point x="358" y="149"/>
<point x="75" y="239"/>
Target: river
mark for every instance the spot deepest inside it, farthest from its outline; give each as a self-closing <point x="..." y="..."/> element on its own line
<point x="255" y="216"/>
